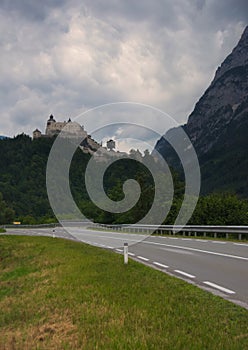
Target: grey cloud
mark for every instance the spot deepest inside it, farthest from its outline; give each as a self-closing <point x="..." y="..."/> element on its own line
<point x="65" y="56"/>
<point x="167" y="13"/>
<point x="229" y="10"/>
<point x="124" y="131"/>
<point x="31" y="9"/>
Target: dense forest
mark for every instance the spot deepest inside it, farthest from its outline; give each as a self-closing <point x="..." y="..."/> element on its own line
<point x="23" y="195"/>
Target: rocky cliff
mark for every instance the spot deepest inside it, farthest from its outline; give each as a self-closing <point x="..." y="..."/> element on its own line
<point x="218" y="125"/>
<point x="224" y="100"/>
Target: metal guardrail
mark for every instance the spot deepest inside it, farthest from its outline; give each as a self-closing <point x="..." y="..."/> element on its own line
<point x="237" y="232"/>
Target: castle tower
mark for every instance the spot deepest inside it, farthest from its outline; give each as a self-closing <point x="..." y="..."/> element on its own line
<point x="53" y="127"/>
<point x="51" y="120"/>
<point x="36" y="134"/>
<point x="50" y="124"/>
<point x="111" y="145"/>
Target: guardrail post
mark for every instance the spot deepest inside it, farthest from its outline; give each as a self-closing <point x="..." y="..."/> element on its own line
<point x="240" y="236"/>
<point x="227" y="235"/>
<point x="125" y="253"/>
<point x="215" y="235"/>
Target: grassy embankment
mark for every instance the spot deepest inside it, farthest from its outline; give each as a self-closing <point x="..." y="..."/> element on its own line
<point x="57" y="294"/>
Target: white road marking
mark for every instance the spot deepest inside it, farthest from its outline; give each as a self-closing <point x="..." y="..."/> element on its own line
<point x="184" y="273"/>
<point x="160" y="265"/>
<point x="201" y="240"/>
<point x="109" y="247"/>
<point x="131" y="254"/>
<point x="187" y="239"/>
<point x="218" y="242"/>
<point x="219" y="287"/>
<point x="198" y="250"/>
<point x="142" y="258"/>
<point x="116" y="233"/>
<point x="119" y="239"/>
<point x="172" y="237"/>
<point x="119" y="250"/>
<point x="241" y="244"/>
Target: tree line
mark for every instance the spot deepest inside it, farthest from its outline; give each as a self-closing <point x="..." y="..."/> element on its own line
<point x="23" y="195"/>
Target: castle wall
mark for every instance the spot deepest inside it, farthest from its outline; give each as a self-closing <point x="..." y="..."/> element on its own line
<point x="54" y="128"/>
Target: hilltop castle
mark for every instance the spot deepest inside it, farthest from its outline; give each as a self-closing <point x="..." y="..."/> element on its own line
<point x="53" y="128"/>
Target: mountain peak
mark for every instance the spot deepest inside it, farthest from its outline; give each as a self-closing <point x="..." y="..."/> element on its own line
<point x="238" y="57"/>
<point x="218" y="125"/>
<point x="223" y="100"/>
<point x="245" y="33"/>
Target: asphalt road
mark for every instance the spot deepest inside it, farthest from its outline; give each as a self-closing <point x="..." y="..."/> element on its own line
<point x="217" y="266"/>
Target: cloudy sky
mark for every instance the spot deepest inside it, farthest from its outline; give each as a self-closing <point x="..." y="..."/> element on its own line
<point x="66" y="56"/>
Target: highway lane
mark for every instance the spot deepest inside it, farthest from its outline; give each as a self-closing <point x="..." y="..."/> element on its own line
<point x="221" y="267"/>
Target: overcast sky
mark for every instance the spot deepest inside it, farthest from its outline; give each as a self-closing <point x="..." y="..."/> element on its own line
<point x="66" y="56"/>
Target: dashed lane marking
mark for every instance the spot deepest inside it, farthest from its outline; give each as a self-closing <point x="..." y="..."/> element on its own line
<point x="142" y="258"/>
<point x="160" y="265"/>
<point x="216" y="286"/>
<point x="184" y="273"/>
<point x="241" y="244"/>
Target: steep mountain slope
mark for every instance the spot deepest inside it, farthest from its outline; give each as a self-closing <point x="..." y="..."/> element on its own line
<point x="218" y="126"/>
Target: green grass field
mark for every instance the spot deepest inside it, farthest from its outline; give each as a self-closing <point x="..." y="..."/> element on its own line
<point x="57" y="294"/>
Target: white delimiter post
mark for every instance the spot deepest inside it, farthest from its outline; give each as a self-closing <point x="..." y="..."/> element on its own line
<point x="125" y="253"/>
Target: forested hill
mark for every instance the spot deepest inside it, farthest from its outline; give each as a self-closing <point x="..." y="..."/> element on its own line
<point x="23" y="181"/>
<point x="22" y="176"/>
<point x="23" y="195"/>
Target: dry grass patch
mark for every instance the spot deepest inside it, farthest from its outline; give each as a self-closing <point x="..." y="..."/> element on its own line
<point x="55" y="333"/>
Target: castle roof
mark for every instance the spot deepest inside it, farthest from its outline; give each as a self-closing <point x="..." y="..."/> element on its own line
<point x="51" y="118"/>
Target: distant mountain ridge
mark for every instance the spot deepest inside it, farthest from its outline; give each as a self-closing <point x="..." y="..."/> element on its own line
<point x="218" y="126"/>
